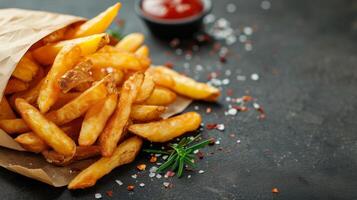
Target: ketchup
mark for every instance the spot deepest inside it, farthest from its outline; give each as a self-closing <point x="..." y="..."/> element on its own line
<point x="172" y="9"/>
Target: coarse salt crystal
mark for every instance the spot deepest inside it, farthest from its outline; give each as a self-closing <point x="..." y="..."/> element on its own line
<point x="201" y="172"/>
<point x="228" y="99"/>
<point x="158" y="176"/>
<point x="152" y="174"/>
<point x="225" y="81"/>
<point x="119" y="182"/>
<point x="142" y="184"/>
<point x="153" y="169"/>
<point x="134" y="176"/>
<point x="248" y="30"/>
<point x="98" y="195"/>
<point x="220" y="127"/>
<point x="196" y="108"/>
<point x="209" y="19"/>
<point x="166" y="184"/>
<point x="228" y="72"/>
<point x="232" y="111"/>
<point x="231" y="8"/>
<point x="189" y="176"/>
<point x="165" y="157"/>
<point x="248" y="47"/>
<point x="265" y="5"/>
<point x="254" y="77"/>
<point x="238" y="141"/>
<point x="241" y="78"/>
<point x="256" y="106"/>
<point x="243" y="38"/>
<point x="196" y="151"/>
<point x="199" y="67"/>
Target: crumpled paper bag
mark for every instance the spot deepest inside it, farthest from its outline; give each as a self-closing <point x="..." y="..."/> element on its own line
<point x="19" y="30"/>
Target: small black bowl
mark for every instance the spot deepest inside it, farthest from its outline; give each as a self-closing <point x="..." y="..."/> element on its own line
<point x="181" y="28"/>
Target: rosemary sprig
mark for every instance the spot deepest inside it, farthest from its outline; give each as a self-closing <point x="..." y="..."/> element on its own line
<point x="180" y="155"/>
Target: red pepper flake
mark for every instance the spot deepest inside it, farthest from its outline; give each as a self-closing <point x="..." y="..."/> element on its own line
<point x="169" y="64"/>
<point x="170" y="173"/>
<point x="275" y="190"/>
<point x="223" y="58"/>
<point x="212" y="141"/>
<point x="211" y="126"/>
<point x="109" y="193"/>
<point x="240" y="108"/>
<point x="141" y="167"/>
<point x="130" y="187"/>
<point x="200" y="155"/>
<point x="229" y="92"/>
<point x="247" y="98"/>
<point x="262" y="113"/>
<point x="208" y="110"/>
<point x="153" y="159"/>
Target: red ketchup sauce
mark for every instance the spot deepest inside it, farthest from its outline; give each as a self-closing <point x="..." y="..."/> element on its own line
<point x="172" y="9"/>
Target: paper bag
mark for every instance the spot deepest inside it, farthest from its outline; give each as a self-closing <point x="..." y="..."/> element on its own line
<point x="19" y="30"/>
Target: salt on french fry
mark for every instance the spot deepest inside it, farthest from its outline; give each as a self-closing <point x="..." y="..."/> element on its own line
<point x="45" y="129"/>
<point x="131" y="42"/>
<point x="114" y="129"/>
<point x="46" y="54"/>
<point x="5" y="110"/>
<point x="65" y="60"/>
<point x="95" y="120"/>
<point x="15" y="85"/>
<point x="95" y="25"/>
<point x="189" y="87"/>
<point x="123" y="154"/>
<point x="167" y="129"/>
<point x="26" y="69"/>
<point x="146" y="113"/>
<point x="161" y="97"/>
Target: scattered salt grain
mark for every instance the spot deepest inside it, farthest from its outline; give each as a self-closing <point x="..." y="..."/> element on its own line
<point x="157" y="155"/>
<point x="228" y="72"/>
<point x="196" y="151"/>
<point x="98" y="195"/>
<point x="209" y="19"/>
<point x="164" y="157"/>
<point x="196" y="108"/>
<point x="166" y="184"/>
<point x="238" y="141"/>
<point x="254" y="77"/>
<point x="248" y="47"/>
<point x="225" y="81"/>
<point x="189" y="176"/>
<point x="243" y="38"/>
<point x="134" y="176"/>
<point x="248" y="30"/>
<point x="220" y="127"/>
<point x="199" y="67"/>
<point x="265" y="5"/>
<point x="152" y="174"/>
<point x="158" y="176"/>
<point x="119" y="182"/>
<point x="232" y="111"/>
<point x="142" y="184"/>
<point x="241" y="78"/>
<point x="159" y="163"/>
<point x="201" y="172"/>
<point x="218" y="142"/>
<point x="256" y="106"/>
<point x="153" y="169"/>
<point x="231" y="8"/>
<point x="228" y="99"/>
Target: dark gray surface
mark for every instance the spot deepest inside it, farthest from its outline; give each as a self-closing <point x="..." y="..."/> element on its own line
<point x="305" y="53"/>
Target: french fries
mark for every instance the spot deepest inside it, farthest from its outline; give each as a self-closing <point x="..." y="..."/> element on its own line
<point x="46" y="129"/>
<point x="189" y="87"/>
<point x="95" y="120"/>
<point x="96" y="25"/>
<point x="161" y="97"/>
<point x="82" y="96"/>
<point x="114" y="130"/>
<point x="26" y="69"/>
<point x="146" y="113"/>
<point x="146" y="88"/>
<point x="46" y="54"/>
<point x="15" y="85"/>
<point x="5" y="110"/>
<point x="50" y="89"/>
<point x="123" y="154"/>
<point x="167" y="129"/>
<point x="131" y="42"/>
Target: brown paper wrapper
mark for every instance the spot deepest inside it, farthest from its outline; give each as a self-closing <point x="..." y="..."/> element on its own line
<point x="20" y="29"/>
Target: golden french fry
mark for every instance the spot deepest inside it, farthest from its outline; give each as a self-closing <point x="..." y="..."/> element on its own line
<point x="161" y="79"/>
<point x="55" y="36"/>
<point x="77" y="76"/>
<point x="63" y="99"/>
<point x="96" y="25"/>
<point x="81" y="153"/>
<point x="31" y="142"/>
<point x="189" y="87"/>
<point x="131" y="42"/>
<point x="46" y="54"/>
<point x="146" y="113"/>
<point x="45" y="129"/>
<point x="95" y="120"/>
<point x="30" y="95"/>
<point x="66" y="60"/>
<point x="78" y="106"/>
<point x="100" y="73"/>
<point x="5" y="110"/>
<point x="14" y="126"/>
<point x="123" y="154"/>
<point x="114" y="129"/>
<point x="15" y="85"/>
<point x="146" y="88"/>
<point x="167" y="129"/>
<point x="119" y="60"/>
<point x="143" y="51"/>
<point x="161" y="97"/>
<point x="26" y="69"/>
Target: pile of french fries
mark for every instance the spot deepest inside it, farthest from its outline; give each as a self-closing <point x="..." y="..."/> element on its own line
<point x="75" y="95"/>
